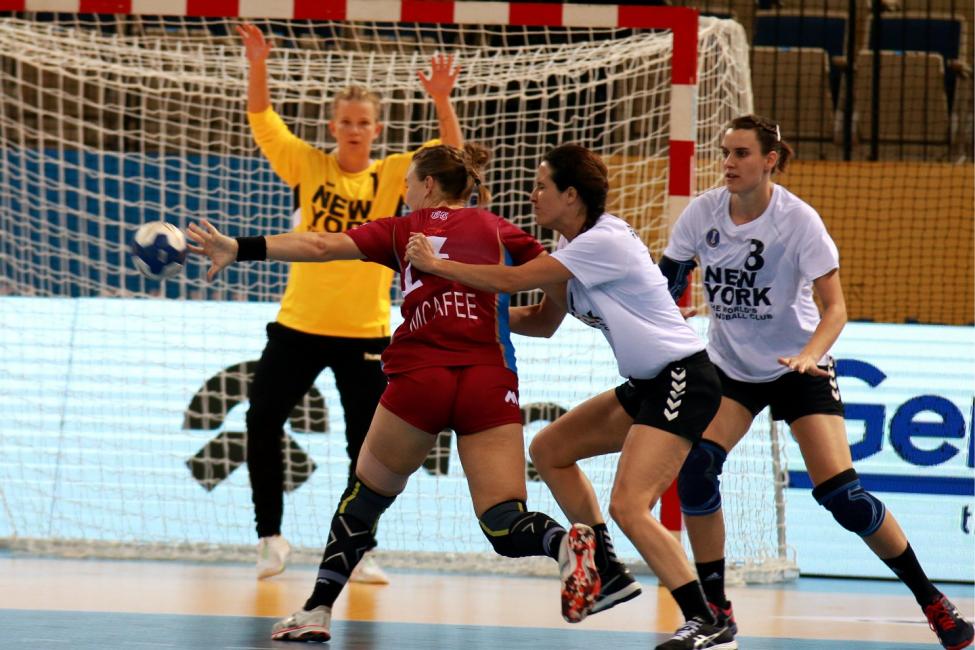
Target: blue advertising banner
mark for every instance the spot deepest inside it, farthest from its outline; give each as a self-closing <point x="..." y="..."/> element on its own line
<point x="909" y="392"/>
<point x="121" y="420"/>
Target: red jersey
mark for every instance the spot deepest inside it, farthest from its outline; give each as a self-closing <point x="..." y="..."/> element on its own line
<point x="446" y="323"/>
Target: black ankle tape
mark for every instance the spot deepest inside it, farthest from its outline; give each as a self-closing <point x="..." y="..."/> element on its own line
<point x="251" y="249"/>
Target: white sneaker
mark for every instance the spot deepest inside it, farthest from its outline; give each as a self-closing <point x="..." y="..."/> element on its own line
<point x="272" y="556"/>
<point x="368" y="572"/>
<point x="304" y="626"/>
<point x="577" y="568"/>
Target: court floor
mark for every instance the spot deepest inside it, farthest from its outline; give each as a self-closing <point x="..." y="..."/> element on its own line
<point x="87" y="604"/>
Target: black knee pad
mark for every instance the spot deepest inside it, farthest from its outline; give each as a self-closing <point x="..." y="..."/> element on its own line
<point x="699" y="480"/>
<point x="362" y="503"/>
<point x="852" y="507"/>
<point x="515" y="532"/>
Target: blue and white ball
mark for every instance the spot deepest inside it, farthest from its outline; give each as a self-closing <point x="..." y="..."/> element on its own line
<point x="159" y="250"/>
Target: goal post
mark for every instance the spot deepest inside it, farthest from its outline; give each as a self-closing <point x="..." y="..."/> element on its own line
<point x="124" y="398"/>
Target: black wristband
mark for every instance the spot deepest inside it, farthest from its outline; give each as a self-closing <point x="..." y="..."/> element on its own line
<point x="251" y="249"/>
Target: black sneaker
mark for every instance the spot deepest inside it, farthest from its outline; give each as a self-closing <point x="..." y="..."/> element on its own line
<point x="953" y="631"/>
<point x="697" y="634"/>
<point x="725" y="617"/>
<point x="618" y="587"/>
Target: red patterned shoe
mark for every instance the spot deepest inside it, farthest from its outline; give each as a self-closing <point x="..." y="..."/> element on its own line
<point x="952" y="629"/>
<point x="577" y="567"/>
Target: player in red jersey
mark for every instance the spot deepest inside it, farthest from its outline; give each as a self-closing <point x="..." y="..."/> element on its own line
<point x="450" y="364"/>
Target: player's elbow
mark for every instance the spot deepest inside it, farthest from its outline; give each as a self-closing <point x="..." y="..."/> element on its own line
<point x="835" y="312"/>
<point x="549" y="331"/>
<point x="548" y="323"/>
<point x="322" y="249"/>
<point x="841" y="315"/>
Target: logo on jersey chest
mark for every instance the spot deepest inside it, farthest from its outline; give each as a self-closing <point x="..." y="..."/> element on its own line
<point x="589" y="318"/>
<point x="332" y="212"/>
<point x="734" y="293"/>
<point x="713" y="238"/>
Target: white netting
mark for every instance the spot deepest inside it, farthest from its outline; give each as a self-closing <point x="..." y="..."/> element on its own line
<point x="107" y="407"/>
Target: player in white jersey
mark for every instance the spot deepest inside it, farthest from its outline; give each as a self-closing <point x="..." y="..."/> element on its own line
<point x="763" y="253"/>
<point x="603" y="274"/>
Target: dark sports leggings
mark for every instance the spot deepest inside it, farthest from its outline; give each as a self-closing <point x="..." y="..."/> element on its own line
<point x="288" y="367"/>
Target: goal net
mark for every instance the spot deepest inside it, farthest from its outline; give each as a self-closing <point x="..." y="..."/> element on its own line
<point x="123" y="399"/>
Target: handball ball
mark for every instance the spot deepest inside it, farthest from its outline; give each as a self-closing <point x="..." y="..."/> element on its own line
<point x="159" y="250"/>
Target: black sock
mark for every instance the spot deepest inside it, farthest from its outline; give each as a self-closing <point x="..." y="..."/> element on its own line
<point x="711" y="575"/>
<point x="605" y="554"/>
<point x="906" y="567"/>
<point x="690" y="599"/>
<point x="348" y="539"/>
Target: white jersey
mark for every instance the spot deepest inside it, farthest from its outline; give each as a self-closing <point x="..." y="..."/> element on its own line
<point x="618" y="289"/>
<point x="757" y="277"/>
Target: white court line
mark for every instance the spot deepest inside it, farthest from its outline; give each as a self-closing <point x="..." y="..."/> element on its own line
<point x="857" y="619"/>
<point x="38" y="638"/>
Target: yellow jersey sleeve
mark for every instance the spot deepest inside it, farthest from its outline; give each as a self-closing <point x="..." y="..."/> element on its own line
<point x="286" y="152"/>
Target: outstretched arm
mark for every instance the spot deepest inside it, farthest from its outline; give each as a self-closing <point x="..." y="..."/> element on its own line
<point x="256" y="50"/>
<point x="439" y="85"/>
<point x="831" y="323"/>
<point x="286" y="247"/>
<point x="541" y="271"/>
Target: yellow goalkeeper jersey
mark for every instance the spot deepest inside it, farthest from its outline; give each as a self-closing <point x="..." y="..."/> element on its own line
<point x="345" y="298"/>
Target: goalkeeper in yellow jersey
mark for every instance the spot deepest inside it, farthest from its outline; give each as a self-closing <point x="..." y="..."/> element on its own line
<point x="332" y="315"/>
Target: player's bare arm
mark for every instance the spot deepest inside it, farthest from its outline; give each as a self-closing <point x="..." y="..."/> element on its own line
<point x="286" y="247"/>
<point x="256" y="49"/>
<point x="439" y="85"/>
<point x="539" y="272"/>
<point x="830" y="292"/>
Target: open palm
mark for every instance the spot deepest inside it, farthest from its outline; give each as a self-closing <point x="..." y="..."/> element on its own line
<point x="207" y="240"/>
<point x="255" y="47"/>
<point x="442" y="77"/>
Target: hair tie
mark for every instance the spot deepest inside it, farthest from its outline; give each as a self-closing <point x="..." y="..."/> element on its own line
<point x="778" y="134"/>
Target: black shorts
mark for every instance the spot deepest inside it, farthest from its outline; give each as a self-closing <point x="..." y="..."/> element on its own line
<point x="791" y="396"/>
<point x="681" y="399"/>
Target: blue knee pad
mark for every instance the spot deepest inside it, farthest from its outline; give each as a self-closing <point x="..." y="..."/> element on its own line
<point x="699" y="480"/>
<point x="851" y="506"/>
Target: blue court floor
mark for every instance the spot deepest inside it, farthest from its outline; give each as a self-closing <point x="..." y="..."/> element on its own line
<point x="38" y="630"/>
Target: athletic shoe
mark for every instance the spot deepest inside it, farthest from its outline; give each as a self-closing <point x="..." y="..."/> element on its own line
<point x="368" y="572"/>
<point x="952" y="629"/>
<point x="304" y="626"/>
<point x="577" y="567"/>
<point x="617" y="586"/>
<point x="697" y="634"/>
<point x="272" y="556"/>
<point x="725" y="617"/>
